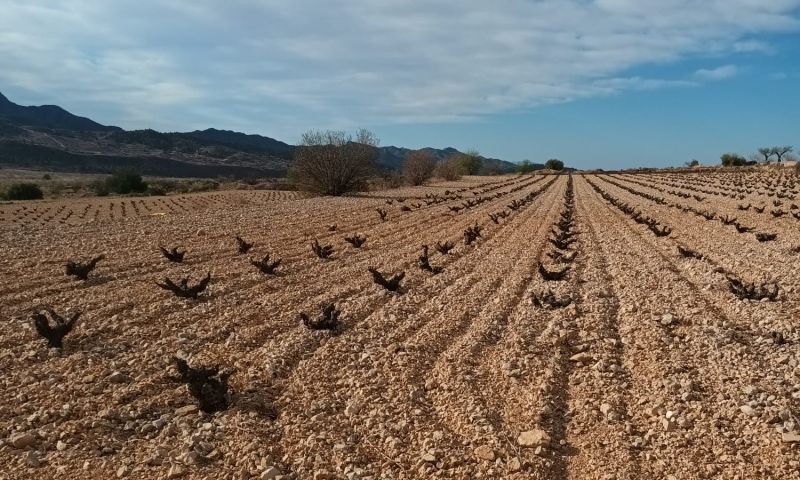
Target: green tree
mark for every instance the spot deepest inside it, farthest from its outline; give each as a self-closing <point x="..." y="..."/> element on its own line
<point x="554" y="164"/>
<point x="693" y="163"/>
<point x="525" y="166"/>
<point x="471" y="162"/>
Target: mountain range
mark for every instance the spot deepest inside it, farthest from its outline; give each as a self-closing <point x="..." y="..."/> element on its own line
<point x="50" y="138"/>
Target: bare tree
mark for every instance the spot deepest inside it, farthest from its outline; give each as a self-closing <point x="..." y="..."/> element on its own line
<point x="781" y="151"/>
<point x="449" y="169"/>
<point x="333" y="162"/>
<point x="418" y="167"/>
<point x="766" y="152"/>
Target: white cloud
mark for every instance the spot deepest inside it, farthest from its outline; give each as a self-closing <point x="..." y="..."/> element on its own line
<point x="753" y="46"/>
<point x="280" y="66"/>
<point x="720" y="73"/>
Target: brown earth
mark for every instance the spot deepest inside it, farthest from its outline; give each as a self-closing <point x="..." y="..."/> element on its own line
<point x="654" y="370"/>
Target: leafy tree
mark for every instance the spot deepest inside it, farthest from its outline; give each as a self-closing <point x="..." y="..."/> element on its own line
<point x="333" y="162"/>
<point x="418" y="167"/>
<point x="554" y="164"/>
<point x="525" y="166"/>
<point x="125" y="182"/>
<point x="23" y="191"/>
<point x="471" y="162"/>
<point x="693" y="163"/>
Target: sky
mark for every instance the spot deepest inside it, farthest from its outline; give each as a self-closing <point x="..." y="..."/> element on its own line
<point x="596" y="83"/>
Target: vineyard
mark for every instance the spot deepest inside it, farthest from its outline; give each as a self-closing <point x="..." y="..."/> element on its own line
<point x="77" y="212"/>
<point x="549" y="326"/>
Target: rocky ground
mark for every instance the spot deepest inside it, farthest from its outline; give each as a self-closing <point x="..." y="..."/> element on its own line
<point x="650" y="368"/>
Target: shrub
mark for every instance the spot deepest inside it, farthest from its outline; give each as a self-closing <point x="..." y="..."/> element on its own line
<point x="333" y="163"/>
<point x="57" y="188"/>
<point x="156" y="190"/>
<point x="100" y="188"/>
<point x="489" y="170"/>
<point x="554" y="164"/>
<point x="418" y="167"/>
<point x="388" y="179"/>
<point x="46" y="176"/>
<point x="449" y="169"/>
<point x="525" y="167"/>
<point x="203" y="186"/>
<point x="23" y="191"/>
<point x="470" y="162"/>
<point x="732" y="160"/>
<point x="125" y="182"/>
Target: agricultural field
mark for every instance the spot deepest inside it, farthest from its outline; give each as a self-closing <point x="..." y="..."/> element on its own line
<point x="547" y="326"/>
<point x="100" y="209"/>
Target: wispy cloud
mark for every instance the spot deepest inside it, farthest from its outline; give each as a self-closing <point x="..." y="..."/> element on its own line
<point x="753" y="46"/>
<point x="280" y="66"/>
<point x="785" y="75"/>
<point x="720" y="73"/>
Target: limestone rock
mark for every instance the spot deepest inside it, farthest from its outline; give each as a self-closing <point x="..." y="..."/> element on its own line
<point x="484" y="452"/>
<point x="533" y="438"/>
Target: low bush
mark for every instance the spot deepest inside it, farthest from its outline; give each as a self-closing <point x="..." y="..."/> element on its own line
<point x="125" y="182"/>
<point x="732" y="160"/>
<point x="100" y="188"/>
<point x="554" y="164"/>
<point x="203" y="186"/>
<point x="23" y="191"/>
<point x="156" y="190"/>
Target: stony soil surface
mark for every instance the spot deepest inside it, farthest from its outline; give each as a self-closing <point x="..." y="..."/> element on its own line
<point x="88" y="210"/>
<point x="655" y="368"/>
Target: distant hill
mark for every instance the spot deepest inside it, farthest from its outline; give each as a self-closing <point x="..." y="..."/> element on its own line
<point x="276" y="147"/>
<point x="49" y="137"/>
<point x="392" y="158"/>
<point x="50" y="116"/>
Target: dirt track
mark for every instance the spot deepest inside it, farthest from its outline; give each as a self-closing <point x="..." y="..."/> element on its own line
<point x="654" y="369"/>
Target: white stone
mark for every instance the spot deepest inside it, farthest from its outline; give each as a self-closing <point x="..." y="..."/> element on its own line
<point x="270" y="473"/>
<point x="748" y="410"/>
<point x="533" y="438"/>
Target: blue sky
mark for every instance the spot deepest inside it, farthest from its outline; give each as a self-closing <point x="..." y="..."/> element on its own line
<point x="597" y="83"/>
